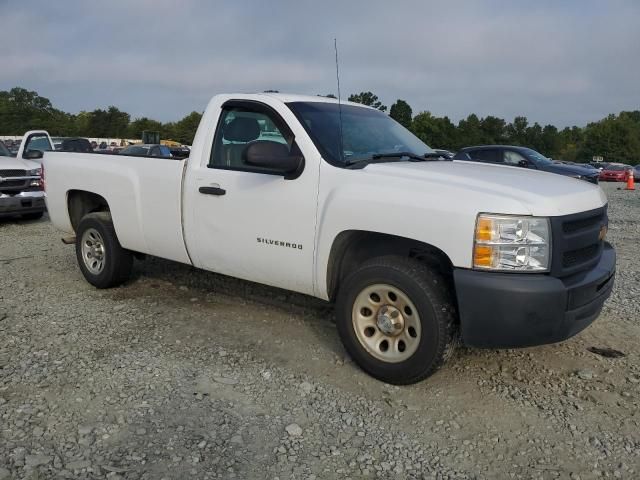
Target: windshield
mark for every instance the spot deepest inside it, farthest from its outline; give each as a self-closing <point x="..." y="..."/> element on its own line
<point x="4" y="151"/>
<point x="617" y="168"/>
<point x="537" y="157"/>
<point x="365" y="132"/>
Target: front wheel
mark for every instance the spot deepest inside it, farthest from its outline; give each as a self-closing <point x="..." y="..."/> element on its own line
<point x="102" y="260"/>
<point x="396" y="318"/>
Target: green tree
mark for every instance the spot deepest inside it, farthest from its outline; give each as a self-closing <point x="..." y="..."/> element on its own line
<point x="184" y="130"/>
<point x="108" y="123"/>
<point x="436" y="132"/>
<point x="550" y="141"/>
<point x="401" y="112"/>
<point x="616" y="138"/>
<point x="493" y="130"/>
<point x="369" y="99"/>
<point x="22" y="110"/>
<point x="470" y="132"/>
<point x="517" y="131"/>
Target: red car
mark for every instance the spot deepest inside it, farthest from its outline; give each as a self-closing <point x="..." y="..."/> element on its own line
<point x="615" y="172"/>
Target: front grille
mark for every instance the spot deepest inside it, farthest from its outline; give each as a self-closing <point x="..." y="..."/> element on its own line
<point x="572" y="226"/>
<point x="13" y="173"/>
<point x="576" y="241"/>
<point x="581" y="255"/>
<point x="12" y="183"/>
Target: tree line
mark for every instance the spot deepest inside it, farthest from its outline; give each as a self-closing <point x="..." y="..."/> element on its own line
<point x="615" y="137"/>
<point x="22" y="110"/>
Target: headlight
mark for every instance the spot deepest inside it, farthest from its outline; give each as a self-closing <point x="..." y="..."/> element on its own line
<point x="510" y="243"/>
<point x="35" y="172"/>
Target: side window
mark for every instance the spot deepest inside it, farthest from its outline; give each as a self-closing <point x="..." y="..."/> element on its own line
<point x="462" y="156"/>
<point x="240" y="127"/>
<point x="513" y="158"/>
<point x="488" y="155"/>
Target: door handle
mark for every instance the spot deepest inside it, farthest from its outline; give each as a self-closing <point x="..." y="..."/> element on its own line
<point x="212" y="190"/>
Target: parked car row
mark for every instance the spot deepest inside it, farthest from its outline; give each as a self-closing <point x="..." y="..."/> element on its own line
<point x="523" y="157"/>
<point x="21" y="186"/>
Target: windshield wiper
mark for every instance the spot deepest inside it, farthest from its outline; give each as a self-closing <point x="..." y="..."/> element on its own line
<point x="391" y="156"/>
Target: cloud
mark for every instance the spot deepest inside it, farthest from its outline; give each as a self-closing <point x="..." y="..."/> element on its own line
<point x="555" y="62"/>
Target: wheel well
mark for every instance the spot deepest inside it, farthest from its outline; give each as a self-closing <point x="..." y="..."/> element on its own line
<point x="80" y="203"/>
<point x="353" y="247"/>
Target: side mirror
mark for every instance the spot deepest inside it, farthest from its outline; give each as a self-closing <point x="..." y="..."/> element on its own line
<point x="33" y="154"/>
<point x="275" y="156"/>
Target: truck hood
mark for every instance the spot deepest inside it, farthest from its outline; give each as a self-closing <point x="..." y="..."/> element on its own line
<point x="495" y="188"/>
<point x="14" y="163"/>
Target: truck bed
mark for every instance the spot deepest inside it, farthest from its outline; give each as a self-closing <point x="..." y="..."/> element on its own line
<point x="144" y="195"/>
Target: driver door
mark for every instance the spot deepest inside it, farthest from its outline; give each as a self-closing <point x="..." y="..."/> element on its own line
<point x="250" y="222"/>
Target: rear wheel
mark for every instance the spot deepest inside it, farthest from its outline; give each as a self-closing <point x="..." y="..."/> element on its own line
<point x="396" y="318"/>
<point x="102" y="260"/>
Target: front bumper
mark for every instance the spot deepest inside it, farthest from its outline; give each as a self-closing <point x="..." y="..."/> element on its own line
<point x="21" y="203"/>
<point x="507" y="310"/>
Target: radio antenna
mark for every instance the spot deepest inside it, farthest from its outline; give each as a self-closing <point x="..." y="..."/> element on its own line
<point x="335" y="46"/>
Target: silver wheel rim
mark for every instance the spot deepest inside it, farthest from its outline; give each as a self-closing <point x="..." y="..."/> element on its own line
<point x="386" y="323"/>
<point x="93" y="254"/>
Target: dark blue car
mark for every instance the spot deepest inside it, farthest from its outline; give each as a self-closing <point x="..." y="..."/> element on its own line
<point x="526" y="158"/>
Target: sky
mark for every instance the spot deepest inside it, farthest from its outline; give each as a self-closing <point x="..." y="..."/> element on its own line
<point x="560" y="62"/>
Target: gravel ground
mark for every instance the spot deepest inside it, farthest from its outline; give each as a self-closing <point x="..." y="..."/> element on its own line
<point x="182" y="373"/>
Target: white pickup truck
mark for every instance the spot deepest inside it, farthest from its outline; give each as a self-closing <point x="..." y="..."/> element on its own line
<point x="340" y="202"/>
<point x="21" y="190"/>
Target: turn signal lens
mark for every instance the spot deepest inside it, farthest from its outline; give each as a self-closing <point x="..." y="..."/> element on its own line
<point x="483" y="256"/>
<point x="484" y="229"/>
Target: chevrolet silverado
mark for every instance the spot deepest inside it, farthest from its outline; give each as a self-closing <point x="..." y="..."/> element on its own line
<point x="339" y="201"/>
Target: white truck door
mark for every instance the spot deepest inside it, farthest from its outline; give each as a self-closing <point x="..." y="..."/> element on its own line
<point x="250" y="221"/>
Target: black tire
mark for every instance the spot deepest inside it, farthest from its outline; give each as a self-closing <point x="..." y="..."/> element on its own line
<point x="32" y="216"/>
<point x="433" y="299"/>
<point x="117" y="260"/>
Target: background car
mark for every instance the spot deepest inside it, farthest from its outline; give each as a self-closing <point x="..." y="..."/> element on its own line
<point x="147" y="150"/>
<point x="588" y="166"/>
<point x="524" y="157"/>
<point x="180" y="151"/>
<point x="446" y="154"/>
<point x="13" y="146"/>
<point x="75" y="145"/>
<point x="615" y="172"/>
<point x="636" y="172"/>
